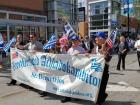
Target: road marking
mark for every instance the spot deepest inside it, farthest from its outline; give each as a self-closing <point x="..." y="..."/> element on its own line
<point x="12" y="94"/>
<point x="121" y="86"/>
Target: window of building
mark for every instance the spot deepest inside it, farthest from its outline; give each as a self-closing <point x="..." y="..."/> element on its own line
<point x="3" y="31"/>
<point x="99" y="16"/>
<point x="2" y="15"/>
<point x="28" y="18"/>
<point x="40" y="19"/>
<point x="116" y="7"/>
<point x="15" y="17"/>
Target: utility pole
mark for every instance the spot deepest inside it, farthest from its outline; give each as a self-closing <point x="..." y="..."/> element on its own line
<point x="128" y="17"/>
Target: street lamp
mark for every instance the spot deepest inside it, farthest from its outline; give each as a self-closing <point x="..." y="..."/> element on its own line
<point x="128" y="16"/>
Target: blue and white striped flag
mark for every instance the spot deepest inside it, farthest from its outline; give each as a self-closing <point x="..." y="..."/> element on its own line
<point x="1" y="41"/>
<point x="69" y="30"/>
<point x="51" y="43"/>
<point x="8" y="45"/>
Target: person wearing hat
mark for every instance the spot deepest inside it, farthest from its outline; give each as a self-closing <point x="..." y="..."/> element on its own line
<point x="75" y="47"/>
<point x="102" y="49"/>
<point x="74" y="50"/>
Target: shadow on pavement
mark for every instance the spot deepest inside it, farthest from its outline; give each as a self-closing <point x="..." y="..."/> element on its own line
<point x="52" y="97"/>
<point x="83" y="102"/>
<point x="116" y="73"/>
<point x="132" y="70"/>
<point x="138" y="71"/>
<point x="5" y="76"/>
<point x="5" y="71"/>
<point x="119" y="103"/>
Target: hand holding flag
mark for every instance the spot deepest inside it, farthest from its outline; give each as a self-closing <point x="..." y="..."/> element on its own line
<point x="51" y="43"/>
<point x="111" y="39"/>
<point x="8" y="45"/>
<point x="1" y="41"/>
<point x="69" y="30"/>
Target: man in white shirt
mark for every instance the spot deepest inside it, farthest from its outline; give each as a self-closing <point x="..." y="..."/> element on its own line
<point x="74" y="50"/>
<point x="137" y="46"/>
<point x="33" y="45"/>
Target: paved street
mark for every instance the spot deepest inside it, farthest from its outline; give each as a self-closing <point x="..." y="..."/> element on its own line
<point x="123" y="88"/>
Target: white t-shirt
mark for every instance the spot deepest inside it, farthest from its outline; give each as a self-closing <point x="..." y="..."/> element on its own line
<point x="34" y="46"/>
<point x="77" y="50"/>
<point x="137" y="44"/>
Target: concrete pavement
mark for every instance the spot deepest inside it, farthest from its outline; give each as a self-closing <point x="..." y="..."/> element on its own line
<point x="126" y="87"/>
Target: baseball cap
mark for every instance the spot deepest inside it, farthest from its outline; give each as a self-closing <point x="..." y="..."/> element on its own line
<point x="74" y="37"/>
<point x="101" y="35"/>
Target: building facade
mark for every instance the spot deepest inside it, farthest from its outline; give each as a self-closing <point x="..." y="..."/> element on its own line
<point x="82" y="3"/>
<point x="130" y="12"/>
<point x="59" y="9"/>
<point x="39" y="17"/>
<point x="19" y="17"/>
<point x="82" y="18"/>
<point x="137" y="8"/>
<point x="103" y="16"/>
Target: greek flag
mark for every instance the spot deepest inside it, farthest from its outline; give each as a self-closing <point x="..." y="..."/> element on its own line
<point x="1" y="41"/>
<point x="8" y="45"/>
<point x="51" y="43"/>
<point x="69" y="30"/>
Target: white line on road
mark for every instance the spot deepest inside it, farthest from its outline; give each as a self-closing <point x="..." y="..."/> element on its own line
<point x="121" y="86"/>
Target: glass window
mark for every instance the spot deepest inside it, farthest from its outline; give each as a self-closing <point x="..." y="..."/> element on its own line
<point x="28" y="18"/>
<point x="97" y="23"/>
<point x="105" y="16"/>
<point x="40" y="19"/>
<point x="2" y="15"/>
<point x="19" y="30"/>
<point x="99" y="17"/>
<point x="50" y="6"/>
<point x="116" y="7"/>
<point x="15" y="17"/>
<point x="106" y="22"/>
<point x="42" y="33"/>
<point x="3" y="31"/>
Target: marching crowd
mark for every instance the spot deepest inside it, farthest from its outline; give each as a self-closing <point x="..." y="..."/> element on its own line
<point x="76" y="45"/>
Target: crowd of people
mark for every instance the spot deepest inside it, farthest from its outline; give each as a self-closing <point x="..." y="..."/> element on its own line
<point x="77" y="45"/>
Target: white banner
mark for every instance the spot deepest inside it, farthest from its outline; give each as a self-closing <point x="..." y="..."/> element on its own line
<point x="73" y="76"/>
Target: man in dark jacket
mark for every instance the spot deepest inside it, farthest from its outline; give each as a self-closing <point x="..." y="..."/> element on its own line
<point x="103" y="49"/>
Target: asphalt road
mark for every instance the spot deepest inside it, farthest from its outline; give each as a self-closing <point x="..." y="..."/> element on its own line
<point x="123" y="88"/>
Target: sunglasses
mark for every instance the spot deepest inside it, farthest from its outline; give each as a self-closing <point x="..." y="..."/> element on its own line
<point x="31" y="37"/>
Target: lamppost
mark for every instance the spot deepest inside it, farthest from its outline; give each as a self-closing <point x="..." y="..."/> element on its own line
<point x="128" y="17"/>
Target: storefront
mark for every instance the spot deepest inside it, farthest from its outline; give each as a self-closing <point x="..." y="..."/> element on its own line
<point x="13" y="23"/>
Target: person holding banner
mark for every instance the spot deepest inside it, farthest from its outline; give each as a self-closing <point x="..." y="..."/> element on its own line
<point x="33" y="45"/>
<point x="1" y="50"/>
<point x="74" y="50"/>
<point x="102" y="48"/>
<point x="17" y="45"/>
<point x="1" y="66"/>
